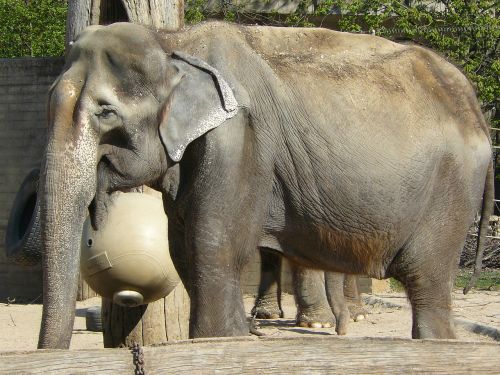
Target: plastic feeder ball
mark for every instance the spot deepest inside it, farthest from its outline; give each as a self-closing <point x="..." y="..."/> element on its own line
<point x="127" y="260"/>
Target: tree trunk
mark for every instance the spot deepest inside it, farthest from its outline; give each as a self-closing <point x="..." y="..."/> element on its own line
<point x="81" y="13"/>
<point x="161" y="14"/>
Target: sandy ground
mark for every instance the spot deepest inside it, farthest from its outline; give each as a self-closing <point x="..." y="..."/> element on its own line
<point x="19" y="324"/>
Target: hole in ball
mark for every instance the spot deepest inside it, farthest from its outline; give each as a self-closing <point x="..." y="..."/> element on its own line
<point x="89" y="242"/>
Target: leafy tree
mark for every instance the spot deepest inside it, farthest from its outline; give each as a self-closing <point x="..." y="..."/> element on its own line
<point x="32" y="27"/>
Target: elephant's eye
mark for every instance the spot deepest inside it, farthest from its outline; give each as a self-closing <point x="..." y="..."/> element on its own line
<point x="106" y="114"/>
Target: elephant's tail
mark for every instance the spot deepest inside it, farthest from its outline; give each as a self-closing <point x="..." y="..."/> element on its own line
<point x="486" y="210"/>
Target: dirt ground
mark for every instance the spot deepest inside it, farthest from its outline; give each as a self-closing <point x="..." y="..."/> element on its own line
<point x="19" y="324"/>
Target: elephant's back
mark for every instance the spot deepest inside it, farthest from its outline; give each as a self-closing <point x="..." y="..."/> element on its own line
<point x="313" y="48"/>
<point x="307" y="49"/>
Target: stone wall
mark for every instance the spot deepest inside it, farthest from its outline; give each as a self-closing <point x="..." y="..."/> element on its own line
<point x="23" y="96"/>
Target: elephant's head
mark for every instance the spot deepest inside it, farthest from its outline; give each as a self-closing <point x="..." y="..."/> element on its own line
<point x="121" y="113"/>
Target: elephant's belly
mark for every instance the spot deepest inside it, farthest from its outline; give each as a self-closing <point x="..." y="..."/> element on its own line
<point x="319" y="246"/>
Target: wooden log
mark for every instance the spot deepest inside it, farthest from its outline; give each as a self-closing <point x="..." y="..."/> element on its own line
<point x="158" y="322"/>
<point x="270" y="355"/>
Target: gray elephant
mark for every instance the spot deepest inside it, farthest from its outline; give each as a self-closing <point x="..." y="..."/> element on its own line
<point x="323" y="299"/>
<point x="344" y="152"/>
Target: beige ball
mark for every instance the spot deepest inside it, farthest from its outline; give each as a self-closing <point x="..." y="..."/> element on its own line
<point x="128" y="260"/>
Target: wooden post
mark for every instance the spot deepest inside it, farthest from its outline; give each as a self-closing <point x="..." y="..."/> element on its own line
<point x="164" y="320"/>
<point x="168" y="318"/>
<point x="158" y="322"/>
<point x="84" y="290"/>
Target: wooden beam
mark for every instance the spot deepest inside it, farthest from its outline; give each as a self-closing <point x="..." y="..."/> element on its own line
<point x="270" y="355"/>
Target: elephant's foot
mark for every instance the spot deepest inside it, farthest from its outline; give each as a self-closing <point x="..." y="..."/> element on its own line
<point x="323" y="318"/>
<point x="266" y="310"/>
<point x="357" y="312"/>
<point x="432" y="322"/>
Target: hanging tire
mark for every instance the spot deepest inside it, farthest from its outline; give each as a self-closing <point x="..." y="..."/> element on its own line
<point x="23" y="234"/>
<point x="93" y="319"/>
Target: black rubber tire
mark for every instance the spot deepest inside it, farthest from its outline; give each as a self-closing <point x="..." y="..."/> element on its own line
<point x="93" y="319"/>
<point x="23" y="234"/>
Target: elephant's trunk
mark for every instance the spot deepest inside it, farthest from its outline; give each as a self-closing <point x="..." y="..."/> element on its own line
<point x="61" y="235"/>
<point x="67" y="186"/>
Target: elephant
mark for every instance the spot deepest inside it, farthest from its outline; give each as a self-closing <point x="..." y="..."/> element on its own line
<point x="343" y="152"/>
<point x="323" y="299"/>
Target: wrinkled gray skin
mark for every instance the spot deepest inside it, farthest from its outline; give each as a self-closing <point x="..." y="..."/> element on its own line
<point x="323" y="299"/>
<point x="344" y="152"/>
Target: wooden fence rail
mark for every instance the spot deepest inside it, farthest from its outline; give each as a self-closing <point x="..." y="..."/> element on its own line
<point x="311" y="354"/>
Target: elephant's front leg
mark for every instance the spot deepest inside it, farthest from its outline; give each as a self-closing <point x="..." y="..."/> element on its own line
<point x="222" y="205"/>
<point x="217" y="308"/>
<point x="268" y="301"/>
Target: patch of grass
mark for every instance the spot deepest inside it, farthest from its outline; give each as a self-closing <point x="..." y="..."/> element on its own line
<point x="395" y="285"/>
<point x="489" y="280"/>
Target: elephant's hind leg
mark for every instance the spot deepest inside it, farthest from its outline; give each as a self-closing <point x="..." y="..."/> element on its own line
<point x="426" y="266"/>
<point x="313" y="309"/>
<point x="430" y="298"/>
<point x="353" y="298"/>
<point x="334" y="285"/>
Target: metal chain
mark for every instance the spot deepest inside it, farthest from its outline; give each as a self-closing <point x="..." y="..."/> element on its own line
<point x="138" y="355"/>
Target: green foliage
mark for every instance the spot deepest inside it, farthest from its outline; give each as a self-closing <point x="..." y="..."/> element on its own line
<point x="32" y="27"/>
<point x="300" y="18"/>
<point x="395" y="285"/>
<point x="489" y="280"/>
<point x="195" y="11"/>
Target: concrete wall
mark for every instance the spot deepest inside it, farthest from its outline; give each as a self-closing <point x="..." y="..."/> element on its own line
<point x="23" y="97"/>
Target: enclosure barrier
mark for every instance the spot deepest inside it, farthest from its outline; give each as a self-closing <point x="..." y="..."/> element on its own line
<point x="269" y="355"/>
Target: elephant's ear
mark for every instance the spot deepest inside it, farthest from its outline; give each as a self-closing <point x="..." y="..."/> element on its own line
<point x="201" y="101"/>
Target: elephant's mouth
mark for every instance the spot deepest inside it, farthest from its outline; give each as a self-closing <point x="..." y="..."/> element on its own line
<point x="98" y="207"/>
<point x="100" y="204"/>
